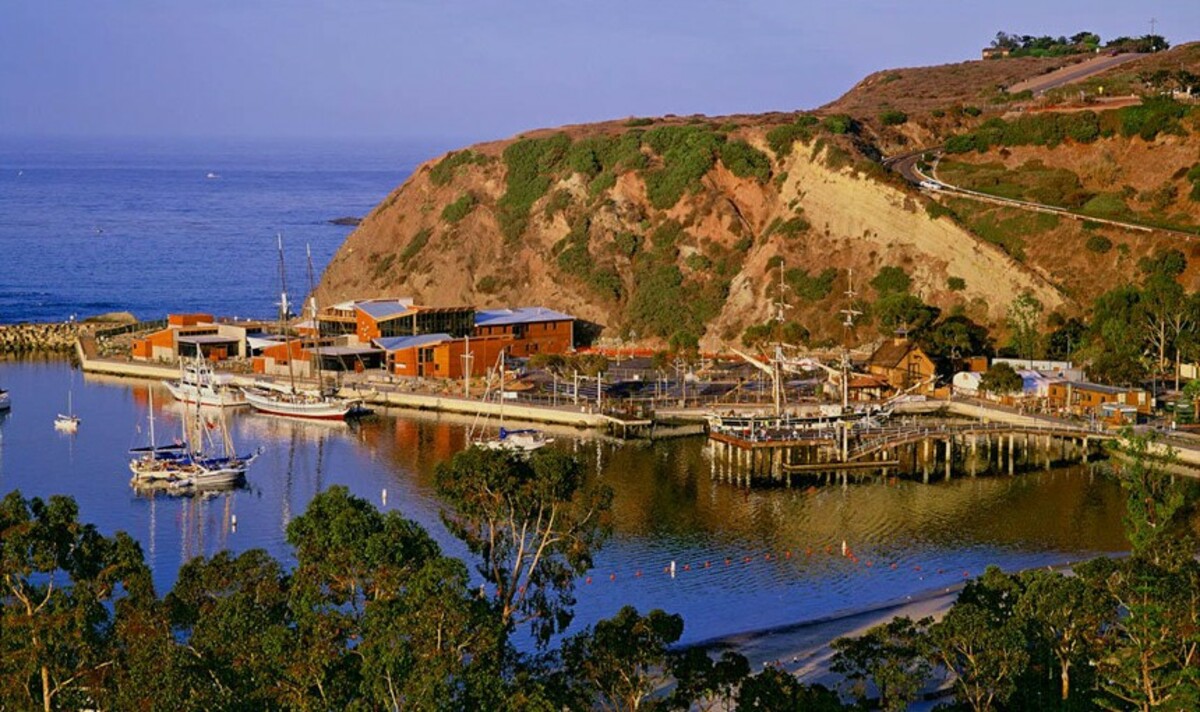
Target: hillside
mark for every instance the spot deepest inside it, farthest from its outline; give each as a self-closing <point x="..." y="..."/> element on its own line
<point x="671" y="230"/>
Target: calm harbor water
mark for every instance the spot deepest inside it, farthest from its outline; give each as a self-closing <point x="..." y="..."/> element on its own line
<point x="137" y="225"/>
<point x="909" y="537"/>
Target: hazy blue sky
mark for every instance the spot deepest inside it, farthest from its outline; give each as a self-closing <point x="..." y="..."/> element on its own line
<point x="481" y="69"/>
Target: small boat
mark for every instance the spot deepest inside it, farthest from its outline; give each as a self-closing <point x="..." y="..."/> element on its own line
<point x="5" y="401"/>
<point x="523" y="441"/>
<point x="68" y="422"/>
<point x="212" y="176"/>
<point x="199" y="383"/>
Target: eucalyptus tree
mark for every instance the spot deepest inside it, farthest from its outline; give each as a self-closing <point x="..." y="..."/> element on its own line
<point x="533" y="522"/>
<point x="59" y="579"/>
<point x="889" y="657"/>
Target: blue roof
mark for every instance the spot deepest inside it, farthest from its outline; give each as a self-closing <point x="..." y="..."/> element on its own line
<point x="520" y="315"/>
<point x="384" y="308"/>
<point x="395" y="343"/>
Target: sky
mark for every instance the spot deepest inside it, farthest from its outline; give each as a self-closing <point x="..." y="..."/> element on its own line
<point x="481" y="69"/>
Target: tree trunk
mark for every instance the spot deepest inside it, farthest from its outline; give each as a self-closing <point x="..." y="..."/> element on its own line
<point x="1066" y="680"/>
<point x="46" y="688"/>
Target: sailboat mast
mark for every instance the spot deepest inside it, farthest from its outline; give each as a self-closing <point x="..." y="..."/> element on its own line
<point x="153" y="442"/>
<point x="283" y="312"/>
<point x="312" y="302"/>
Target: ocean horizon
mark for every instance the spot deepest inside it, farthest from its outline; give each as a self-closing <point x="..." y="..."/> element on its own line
<point x="154" y="226"/>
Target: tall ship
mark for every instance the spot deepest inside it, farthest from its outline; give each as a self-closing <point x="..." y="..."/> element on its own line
<point x="199" y="384"/>
<point x="205" y="460"/>
<point x="287" y="399"/>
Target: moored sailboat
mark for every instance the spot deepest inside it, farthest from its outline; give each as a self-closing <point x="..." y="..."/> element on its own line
<point x="288" y="400"/>
<point x="199" y="383"/>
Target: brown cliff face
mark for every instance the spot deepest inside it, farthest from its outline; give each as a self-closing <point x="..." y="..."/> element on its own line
<point x="673" y="230"/>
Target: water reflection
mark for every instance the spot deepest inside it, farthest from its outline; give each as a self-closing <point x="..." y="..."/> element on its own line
<point x="745" y="559"/>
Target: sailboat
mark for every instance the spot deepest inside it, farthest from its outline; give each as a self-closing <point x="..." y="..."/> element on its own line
<point x="194" y="465"/>
<point x="288" y="400"/>
<point x="522" y="441"/>
<point x="5" y="402"/>
<point x="69" y="422"/>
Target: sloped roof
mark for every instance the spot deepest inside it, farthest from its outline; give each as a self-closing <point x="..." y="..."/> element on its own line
<point x="384" y="308"/>
<point x="396" y="343"/>
<point x="891" y="353"/>
<point x="520" y="315"/>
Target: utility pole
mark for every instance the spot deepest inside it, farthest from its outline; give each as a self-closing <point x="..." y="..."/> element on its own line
<point x="1153" y="22"/>
<point x="468" y="361"/>
<point x="599" y="390"/>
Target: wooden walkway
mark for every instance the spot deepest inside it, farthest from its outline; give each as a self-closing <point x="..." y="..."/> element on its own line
<point x="868" y="443"/>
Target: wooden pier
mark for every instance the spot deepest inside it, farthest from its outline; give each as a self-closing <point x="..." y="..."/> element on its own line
<point x="919" y="449"/>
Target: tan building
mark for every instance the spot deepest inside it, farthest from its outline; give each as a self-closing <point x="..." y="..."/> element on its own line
<point x="903" y="364"/>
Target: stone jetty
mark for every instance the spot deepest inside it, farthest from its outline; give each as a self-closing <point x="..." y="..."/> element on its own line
<point x="24" y="338"/>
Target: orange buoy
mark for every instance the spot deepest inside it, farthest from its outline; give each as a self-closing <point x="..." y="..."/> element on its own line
<point x="588" y="580"/>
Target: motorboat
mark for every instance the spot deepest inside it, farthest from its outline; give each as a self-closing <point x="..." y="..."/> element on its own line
<point x="5" y="401"/>
<point x="525" y="440"/>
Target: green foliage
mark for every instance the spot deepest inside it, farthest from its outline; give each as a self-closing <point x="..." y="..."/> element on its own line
<point x="956" y="284"/>
<point x="895" y="311"/>
<point x="559" y="201"/>
<point x="1098" y="243"/>
<point x="445" y="170"/>
<point x="698" y="677"/>
<point x="782" y="138"/>
<point x="459" y="209"/>
<point x="1155" y="115"/>
<point x="1169" y="263"/>
<point x="530" y="165"/>
<point x="811" y="288"/>
<point x="534" y="526"/>
<point x="887" y="656"/>
<point x="687" y="152"/>
<point x="1003" y="227"/>
<point x="936" y="210"/>
<point x="893" y="117"/>
<point x="793" y="227"/>
<point x="1001" y="379"/>
<point x="639" y="121"/>
<point x="1024" y="321"/>
<point x="627" y="243"/>
<point x="745" y="161"/>
<point x="972" y="111"/>
<point x="416" y="244"/>
<point x="1047" y="129"/>
<point x="891" y="280"/>
<point x="697" y="262"/>
<point x="1107" y="205"/>
<point x="840" y="124"/>
<point x="620" y="661"/>
<point x="601" y="183"/>
<point x="491" y="284"/>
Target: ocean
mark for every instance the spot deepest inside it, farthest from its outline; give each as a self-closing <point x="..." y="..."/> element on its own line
<point x="93" y="226"/>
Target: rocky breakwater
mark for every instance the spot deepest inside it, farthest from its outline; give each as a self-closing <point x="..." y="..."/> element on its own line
<point x="23" y="338"/>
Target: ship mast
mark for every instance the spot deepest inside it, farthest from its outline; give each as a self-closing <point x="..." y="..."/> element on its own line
<point x="283" y="312"/>
<point x="312" y="309"/>
<point x="778" y="396"/>
<point x="847" y="327"/>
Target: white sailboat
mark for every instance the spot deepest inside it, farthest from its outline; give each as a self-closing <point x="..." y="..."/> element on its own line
<point x="197" y="465"/>
<point x="67" y="422"/>
<point x="199" y="383"/>
<point x="289" y="400"/>
<point x="521" y="441"/>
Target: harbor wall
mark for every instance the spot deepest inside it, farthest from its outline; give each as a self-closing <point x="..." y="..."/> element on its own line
<point x="25" y="338"/>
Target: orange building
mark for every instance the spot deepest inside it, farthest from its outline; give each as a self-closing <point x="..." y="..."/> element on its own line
<point x="903" y="364"/>
<point x="440" y="356"/>
<point x="372" y="319"/>
<point x="1083" y="398"/>
<point x="533" y="330"/>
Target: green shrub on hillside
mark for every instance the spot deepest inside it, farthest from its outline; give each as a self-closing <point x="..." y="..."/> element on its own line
<point x="891" y="280"/>
<point x="956" y="284"/>
<point x="443" y="172"/>
<point x="627" y="243"/>
<point x="1193" y="175"/>
<point x="530" y="164"/>
<point x="459" y="209"/>
<point x="840" y="124"/>
<point x="688" y="152"/>
<point x="745" y="161"/>
<point x="1155" y="115"/>
<point x="642" y="121"/>
<point x="416" y="244"/>
<point x="811" y="288"/>
<point x="893" y="117"/>
<point x="1099" y="243"/>
<point x="782" y="138"/>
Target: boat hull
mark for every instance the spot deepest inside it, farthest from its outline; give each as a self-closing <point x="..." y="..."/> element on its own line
<point x="312" y="410"/>
<point x="188" y="393"/>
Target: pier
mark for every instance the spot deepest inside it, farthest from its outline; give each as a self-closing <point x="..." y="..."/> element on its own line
<point x="925" y="449"/>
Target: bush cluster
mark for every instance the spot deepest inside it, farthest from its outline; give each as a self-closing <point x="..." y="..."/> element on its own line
<point x="687" y="152"/>
<point x="459" y="209"/>
<point x="782" y="138"/>
<point x="745" y="161"/>
<point x="809" y="287"/>
<point x="443" y="172"/>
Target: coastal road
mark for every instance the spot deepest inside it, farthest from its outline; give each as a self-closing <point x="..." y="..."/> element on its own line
<point x="1072" y="73"/>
